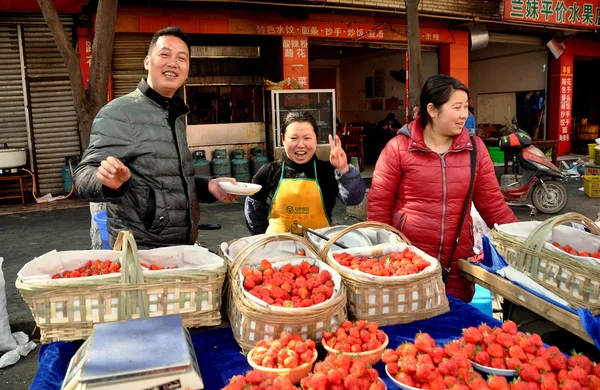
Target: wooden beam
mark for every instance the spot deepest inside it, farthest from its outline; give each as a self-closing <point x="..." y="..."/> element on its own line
<point x="516" y="294"/>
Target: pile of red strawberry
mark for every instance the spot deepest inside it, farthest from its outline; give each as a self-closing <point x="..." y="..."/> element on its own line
<point x="429" y="366"/>
<point x="537" y="366"/>
<point x="288" y="351"/>
<point x="361" y="336"/>
<point x="257" y="380"/>
<point x="567" y="248"/>
<point x="502" y="348"/>
<point x="342" y="372"/>
<point x="402" y="263"/>
<point x="91" y="268"/>
<point x="296" y="286"/>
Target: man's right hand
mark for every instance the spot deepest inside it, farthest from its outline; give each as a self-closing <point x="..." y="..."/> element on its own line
<point x="113" y="173"/>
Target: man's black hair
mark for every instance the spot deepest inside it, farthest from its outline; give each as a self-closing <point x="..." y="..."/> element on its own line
<point x="174" y="31"/>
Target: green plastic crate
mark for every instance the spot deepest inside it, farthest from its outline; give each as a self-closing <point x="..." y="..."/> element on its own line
<point x="496" y="154"/>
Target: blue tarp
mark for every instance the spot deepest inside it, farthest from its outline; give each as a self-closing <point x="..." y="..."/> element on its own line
<point x="219" y="356"/>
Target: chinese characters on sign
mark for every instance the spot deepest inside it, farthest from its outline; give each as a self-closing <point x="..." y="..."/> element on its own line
<point x="295" y="59"/>
<point x="84" y="47"/>
<point x="322" y="30"/>
<point x="579" y="13"/>
<point x="566" y="94"/>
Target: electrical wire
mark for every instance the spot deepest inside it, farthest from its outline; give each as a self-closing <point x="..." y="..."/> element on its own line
<point x="46" y="200"/>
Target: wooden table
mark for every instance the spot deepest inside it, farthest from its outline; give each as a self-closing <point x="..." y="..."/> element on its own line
<point x="540" y="144"/>
<point x="21" y="179"/>
<point x="516" y="294"/>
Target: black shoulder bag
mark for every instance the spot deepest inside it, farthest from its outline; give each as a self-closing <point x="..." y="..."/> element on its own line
<point x="473" y="154"/>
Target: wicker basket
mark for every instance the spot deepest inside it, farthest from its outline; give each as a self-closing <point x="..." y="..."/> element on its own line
<point x="394" y="301"/>
<point x="251" y="321"/>
<point x="68" y="309"/>
<point x="575" y="280"/>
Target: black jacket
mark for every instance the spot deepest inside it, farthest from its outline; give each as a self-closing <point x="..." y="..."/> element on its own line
<point x="146" y="131"/>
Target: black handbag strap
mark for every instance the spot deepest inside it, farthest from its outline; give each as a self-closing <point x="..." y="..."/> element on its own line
<point x="473" y="155"/>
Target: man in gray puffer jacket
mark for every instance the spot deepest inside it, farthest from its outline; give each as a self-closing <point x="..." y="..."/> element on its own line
<point x="138" y="158"/>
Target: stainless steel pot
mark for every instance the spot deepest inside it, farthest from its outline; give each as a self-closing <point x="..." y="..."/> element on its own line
<point x="12" y="157"/>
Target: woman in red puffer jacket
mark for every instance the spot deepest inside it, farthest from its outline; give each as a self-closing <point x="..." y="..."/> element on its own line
<point x="422" y="178"/>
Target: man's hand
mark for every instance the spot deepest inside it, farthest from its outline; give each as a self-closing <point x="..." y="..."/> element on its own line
<point x="112" y="173"/>
<point x="217" y="192"/>
<point x="337" y="156"/>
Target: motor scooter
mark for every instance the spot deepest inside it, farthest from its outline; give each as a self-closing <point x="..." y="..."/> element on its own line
<point x="539" y="177"/>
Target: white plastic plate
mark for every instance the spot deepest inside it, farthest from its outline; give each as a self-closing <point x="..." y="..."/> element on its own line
<point x="239" y="188"/>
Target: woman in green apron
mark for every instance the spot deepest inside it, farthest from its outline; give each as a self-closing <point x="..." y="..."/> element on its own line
<point x="299" y="186"/>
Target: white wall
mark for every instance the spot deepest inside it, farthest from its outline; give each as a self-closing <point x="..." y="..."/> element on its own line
<point x="503" y="67"/>
<point x="353" y="106"/>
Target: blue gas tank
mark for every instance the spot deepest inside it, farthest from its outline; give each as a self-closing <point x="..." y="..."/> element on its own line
<point x="67" y="177"/>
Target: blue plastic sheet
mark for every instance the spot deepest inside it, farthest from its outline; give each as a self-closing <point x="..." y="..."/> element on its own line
<point x="219" y="355"/>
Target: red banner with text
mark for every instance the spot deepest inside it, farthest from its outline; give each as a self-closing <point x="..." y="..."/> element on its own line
<point x="567" y="13"/>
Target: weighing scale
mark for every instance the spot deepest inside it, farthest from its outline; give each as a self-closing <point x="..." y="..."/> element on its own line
<point x="143" y="354"/>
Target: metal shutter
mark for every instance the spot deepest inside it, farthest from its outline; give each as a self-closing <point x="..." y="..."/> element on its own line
<point x="13" y="125"/>
<point x="129" y="51"/>
<point x="54" y="122"/>
<point x="13" y="119"/>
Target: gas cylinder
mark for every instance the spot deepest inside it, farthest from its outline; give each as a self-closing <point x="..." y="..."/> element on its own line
<point x="240" y="166"/>
<point x="201" y="165"/>
<point x="67" y="177"/>
<point x="259" y="159"/>
<point x="221" y="167"/>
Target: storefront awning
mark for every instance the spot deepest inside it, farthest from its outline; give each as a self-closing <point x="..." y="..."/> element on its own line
<point x="62" y="6"/>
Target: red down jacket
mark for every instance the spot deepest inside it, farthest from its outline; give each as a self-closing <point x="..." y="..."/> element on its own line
<point x="422" y="194"/>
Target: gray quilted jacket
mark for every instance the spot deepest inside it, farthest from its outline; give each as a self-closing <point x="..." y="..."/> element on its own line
<point x="159" y="203"/>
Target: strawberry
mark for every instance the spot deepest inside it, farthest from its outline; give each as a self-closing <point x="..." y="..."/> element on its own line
<point x="472" y="335"/>
<point x="541" y="364"/>
<point x="519" y="385"/>
<point x="509" y="327"/>
<point x="570" y="384"/>
<point x="437" y="354"/>
<point x="484" y="328"/>
<point x="392" y="368"/>
<point x="425" y="372"/>
<point x="594" y="382"/>
<point x="424" y="342"/>
<point x="498" y="363"/>
<point x="389" y="356"/>
<point x="483" y="358"/>
<point x="578" y="374"/>
<point x="495" y="350"/>
<point x="512" y="363"/>
<point x="596" y="370"/>
<point x="579" y="360"/>
<point x="448" y="367"/>
<point x="528" y="373"/>
<point x="505" y="340"/>
<point x="517" y="352"/>
<point x="402" y="377"/>
<point x="498" y="383"/>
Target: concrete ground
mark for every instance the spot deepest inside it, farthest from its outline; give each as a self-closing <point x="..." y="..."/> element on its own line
<point x="26" y="232"/>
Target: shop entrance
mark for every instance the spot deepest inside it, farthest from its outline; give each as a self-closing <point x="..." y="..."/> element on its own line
<point x="586" y="103"/>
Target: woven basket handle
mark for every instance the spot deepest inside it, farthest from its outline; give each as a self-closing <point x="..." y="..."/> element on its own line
<point x="243" y="255"/>
<point x="131" y="273"/>
<point x="537" y="237"/>
<point x="360" y="225"/>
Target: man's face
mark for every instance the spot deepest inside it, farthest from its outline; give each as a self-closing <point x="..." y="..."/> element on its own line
<point x="167" y="65"/>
